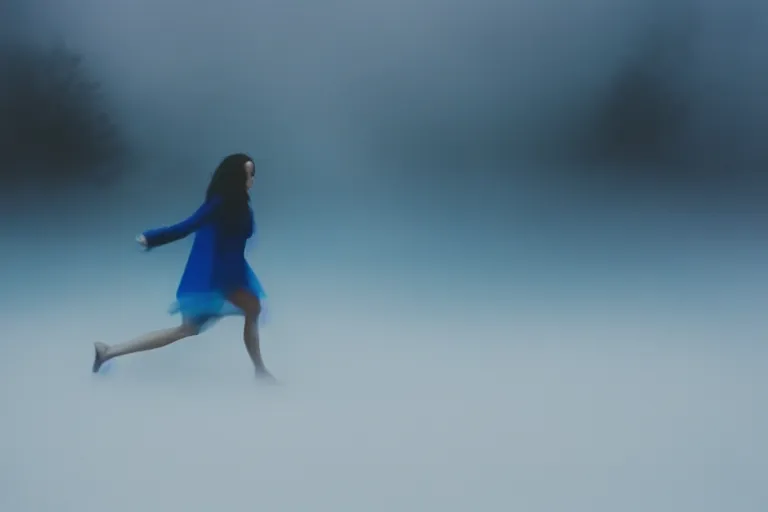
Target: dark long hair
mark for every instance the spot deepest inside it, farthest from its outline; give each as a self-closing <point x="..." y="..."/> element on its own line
<point x="228" y="184"/>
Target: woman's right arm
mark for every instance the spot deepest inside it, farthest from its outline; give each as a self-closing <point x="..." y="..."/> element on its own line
<point x="166" y="235"/>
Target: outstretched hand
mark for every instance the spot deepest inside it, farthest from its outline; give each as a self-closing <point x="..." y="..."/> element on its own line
<point x="142" y="241"/>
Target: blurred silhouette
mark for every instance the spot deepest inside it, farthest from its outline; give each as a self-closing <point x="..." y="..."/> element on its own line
<point x="54" y="121"/>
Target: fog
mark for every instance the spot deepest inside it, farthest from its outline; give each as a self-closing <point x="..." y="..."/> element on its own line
<point x="455" y="322"/>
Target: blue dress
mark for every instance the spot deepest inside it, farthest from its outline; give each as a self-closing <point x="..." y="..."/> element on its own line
<point x="216" y="266"/>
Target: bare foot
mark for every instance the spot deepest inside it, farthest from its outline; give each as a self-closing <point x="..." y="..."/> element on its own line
<point x="100" y="355"/>
<point x="263" y="375"/>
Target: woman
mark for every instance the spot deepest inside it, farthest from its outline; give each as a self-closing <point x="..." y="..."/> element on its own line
<point x="217" y="280"/>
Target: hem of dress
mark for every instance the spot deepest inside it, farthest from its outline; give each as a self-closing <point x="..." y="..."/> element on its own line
<point x="210" y="307"/>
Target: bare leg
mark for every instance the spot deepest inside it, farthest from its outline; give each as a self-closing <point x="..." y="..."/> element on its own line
<point x="148" y="341"/>
<point x="251" y="307"/>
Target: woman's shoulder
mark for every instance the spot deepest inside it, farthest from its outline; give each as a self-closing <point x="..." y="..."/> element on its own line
<point x="214" y="201"/>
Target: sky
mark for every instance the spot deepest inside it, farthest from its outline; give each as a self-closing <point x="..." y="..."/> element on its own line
<point x="463" y="311"/>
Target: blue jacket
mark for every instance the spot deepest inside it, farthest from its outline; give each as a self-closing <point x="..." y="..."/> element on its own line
<point x="216" y="265"/>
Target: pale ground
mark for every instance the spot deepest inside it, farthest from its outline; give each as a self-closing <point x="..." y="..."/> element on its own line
<point x="441" y="409"/>
<point x="431" y="385"/>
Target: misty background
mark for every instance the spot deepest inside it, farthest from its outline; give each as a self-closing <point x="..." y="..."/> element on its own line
<point x="514" y="253"/>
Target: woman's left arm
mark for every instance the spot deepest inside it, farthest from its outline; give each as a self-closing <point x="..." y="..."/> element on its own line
<point x="169" y="234"/>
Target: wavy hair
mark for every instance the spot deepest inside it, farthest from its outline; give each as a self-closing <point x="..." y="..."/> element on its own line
<point x="228" y="184"/>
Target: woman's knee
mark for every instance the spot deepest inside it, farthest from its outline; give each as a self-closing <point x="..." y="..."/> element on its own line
<point x="252" y="314"/>
<point x="189" y="328"/>
<point x="248" y="303"/>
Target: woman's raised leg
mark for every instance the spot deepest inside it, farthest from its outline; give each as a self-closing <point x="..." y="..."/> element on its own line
<point x="150" y="341"/>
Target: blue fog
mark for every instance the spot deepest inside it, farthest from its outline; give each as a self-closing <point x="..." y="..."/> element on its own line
<point x="480" y="338"/>
<point x="425" y="363"/>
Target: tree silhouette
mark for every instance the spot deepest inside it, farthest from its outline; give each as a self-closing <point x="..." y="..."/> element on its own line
<point x="54" y="123"/>
<point x="642" y="115"/>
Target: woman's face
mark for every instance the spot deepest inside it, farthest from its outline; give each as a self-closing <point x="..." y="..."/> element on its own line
<point x="250" y="171"/>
